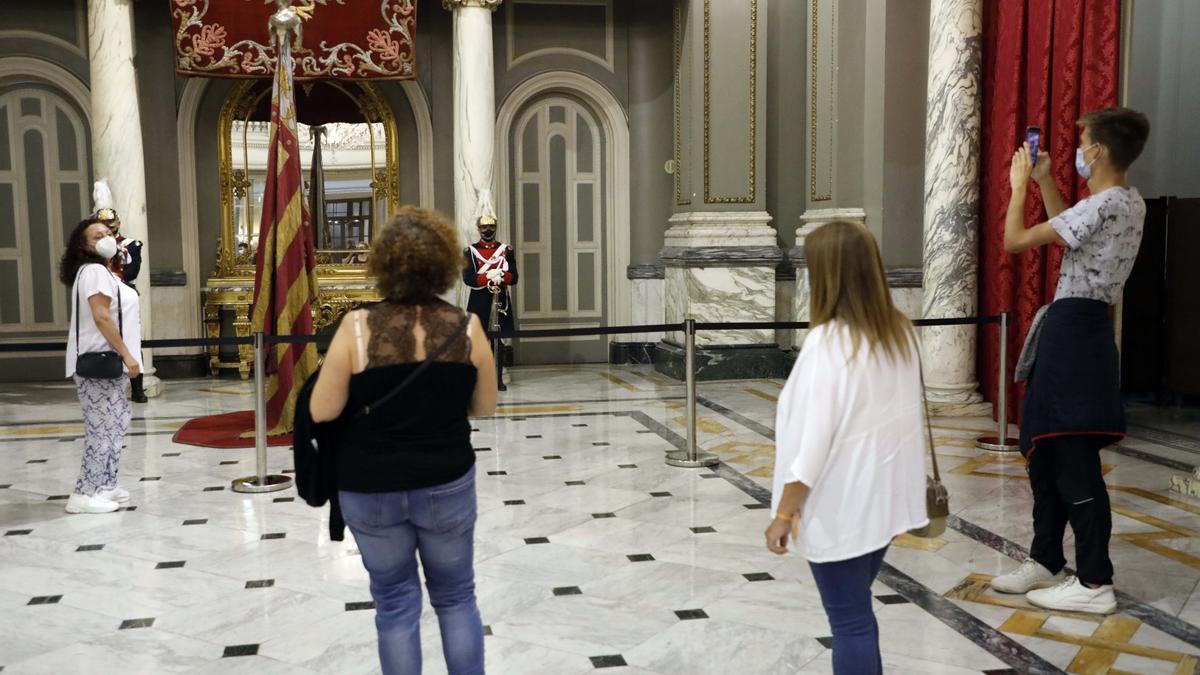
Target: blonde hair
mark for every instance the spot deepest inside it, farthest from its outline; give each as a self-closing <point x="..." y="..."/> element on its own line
<point x="847" y="283"/>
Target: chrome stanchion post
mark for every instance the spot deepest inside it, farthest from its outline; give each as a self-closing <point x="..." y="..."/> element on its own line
<point x="261" y="481"/>
<point x="1000" y="442"/>
<point x="690" y="457"/>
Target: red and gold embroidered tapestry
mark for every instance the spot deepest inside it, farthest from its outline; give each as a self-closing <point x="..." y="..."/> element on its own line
<point x="347" y="39"/>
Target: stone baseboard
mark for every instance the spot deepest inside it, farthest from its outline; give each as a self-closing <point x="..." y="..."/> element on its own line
<point x="734" y="362"/>
<point x="180" y="366"/>
<point x="627" y="353"/>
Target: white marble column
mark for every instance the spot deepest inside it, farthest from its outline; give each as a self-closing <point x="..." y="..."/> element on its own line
<point x="117" y="137"/>
<point x="474" y="111"/>
<point x="952" y="128"/>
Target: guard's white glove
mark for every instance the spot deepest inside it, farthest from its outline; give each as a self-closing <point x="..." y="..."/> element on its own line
<point x="495" y="276"/>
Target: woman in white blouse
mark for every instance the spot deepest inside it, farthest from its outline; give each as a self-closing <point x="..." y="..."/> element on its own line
<point x="849" y="438"/>
<point x="105" y="317"/>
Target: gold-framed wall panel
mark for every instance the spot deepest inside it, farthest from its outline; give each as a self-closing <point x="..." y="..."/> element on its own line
<point x="752" y="141"/>
<point x="818" y="190"/>
<point x="385" y="181"/>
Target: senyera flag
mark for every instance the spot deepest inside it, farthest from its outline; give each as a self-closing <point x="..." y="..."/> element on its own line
<point x="285" y="281"/>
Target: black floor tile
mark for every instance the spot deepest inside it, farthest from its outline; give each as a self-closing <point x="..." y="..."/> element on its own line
<point x="514" y="502"/>
<point x="640" y="557"/>
<point x="228" y="462"/>
<point x="171" y="454"/>
<point x="89" y="547"/>
<point x="214" y="488"/>
<point x="5" y="486"/>
<point x="57" y="498"/>
<point x="260" y="583"/>
<point x="568" y="590"/>
<point x="148" y="479"/>
<point x="497" y="473"/>
<point x="579" y="425"/>
<point x="534" y="436"/>
<point x="551" y="456"/>
<point x="703" y="530"/>
<point x="608" y="661"/>
<point x="575" y="482"/>
<point x="273" y="535"/>
<point x="45" y="600"/>
<point x="487" y="630"/>
<point x="627" y="466"/>
<point x="826" y="642"/>
<point x="483" y="449"/>
<point x="136" y="623"/>
<point x="196" y="521"/>
<point x="240" y="650"/>
<point x="755" y="507"/>
<point x="37" y="461"/>
<point x="604" y="515"/>
<point x="710" y="475"/>
<point x="759" y="576"/>
<point x="172" y="564"/>
<point x="283" y="500"/>
<point x="17" y="533"/>
<point x="660" y="494"/>
<point x="536" y="540"/>
<point x="689" y="614"/>
<point x="127" y="508"/>
<point x="599" y="443"/>
<point x="891" y="599"/>
<point x="355" y="606"/>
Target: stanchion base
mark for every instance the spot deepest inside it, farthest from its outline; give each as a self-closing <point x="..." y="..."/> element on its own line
<point x="274" y="483"/>
<point x="681" y="459"/>
<point x="993" y="444"/>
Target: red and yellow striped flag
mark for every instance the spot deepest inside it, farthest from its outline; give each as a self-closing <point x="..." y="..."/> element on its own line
<point x="285" y="281"/>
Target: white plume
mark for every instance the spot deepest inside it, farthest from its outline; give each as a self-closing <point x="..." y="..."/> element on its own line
<point x="102" y="196"/>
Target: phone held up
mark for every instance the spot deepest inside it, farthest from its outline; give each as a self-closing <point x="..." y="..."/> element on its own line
<point x="1033" y="136"/>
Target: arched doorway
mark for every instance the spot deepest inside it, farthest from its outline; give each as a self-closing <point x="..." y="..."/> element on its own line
<point x="45" y="169"/>
<point x="563" y="200"/>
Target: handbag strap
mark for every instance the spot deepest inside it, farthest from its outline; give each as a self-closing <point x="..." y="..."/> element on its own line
<point x="120" y="313"/>
<point x="928" y="426"/>
<point x="366" y="410"/>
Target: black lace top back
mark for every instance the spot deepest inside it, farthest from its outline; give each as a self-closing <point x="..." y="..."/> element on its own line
<point x="422" y="436"/>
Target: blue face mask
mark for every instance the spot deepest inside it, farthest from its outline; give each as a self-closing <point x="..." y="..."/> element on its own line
<point x="1083" y="166"/>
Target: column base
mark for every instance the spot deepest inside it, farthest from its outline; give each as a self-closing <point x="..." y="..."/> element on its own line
<point x="152" y="386"/>
<point x="723" y="362"/>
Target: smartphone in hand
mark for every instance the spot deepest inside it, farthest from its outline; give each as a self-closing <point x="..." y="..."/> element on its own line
<point x="1033" y="136"/>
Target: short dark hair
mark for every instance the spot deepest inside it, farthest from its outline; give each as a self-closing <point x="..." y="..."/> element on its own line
<point x="1122" y="130"/>
<point x="416" y="256"/>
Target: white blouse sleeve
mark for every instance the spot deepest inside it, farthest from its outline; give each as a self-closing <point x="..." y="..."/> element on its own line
<point x="95" y="279"/>
<point x="807" y="417"/>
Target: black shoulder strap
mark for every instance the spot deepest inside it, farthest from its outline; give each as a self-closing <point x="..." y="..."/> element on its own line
<point x="366" y="410"/>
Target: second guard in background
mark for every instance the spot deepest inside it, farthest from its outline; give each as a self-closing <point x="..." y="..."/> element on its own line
<point x="490" y="267"/>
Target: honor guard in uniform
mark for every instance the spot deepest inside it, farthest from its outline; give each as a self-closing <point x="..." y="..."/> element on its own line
<point x="126" y="264"/>
<point x="489" y="269"/>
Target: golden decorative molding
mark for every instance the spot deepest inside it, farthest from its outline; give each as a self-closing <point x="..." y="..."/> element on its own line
<point x="813" y="57"/>
<point x="753" y="140"/>
<point x="677" y="36"/>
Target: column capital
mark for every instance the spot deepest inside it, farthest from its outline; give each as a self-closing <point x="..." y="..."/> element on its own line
<point x="459" y="4"/>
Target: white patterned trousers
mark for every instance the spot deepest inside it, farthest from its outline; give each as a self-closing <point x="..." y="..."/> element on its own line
<point x="106" y="415"/>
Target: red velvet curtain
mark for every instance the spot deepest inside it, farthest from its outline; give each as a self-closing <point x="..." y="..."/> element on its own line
<point x="1045" y="63"/>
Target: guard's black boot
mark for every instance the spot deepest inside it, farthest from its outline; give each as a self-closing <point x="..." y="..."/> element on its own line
<point x="138" y="394"/>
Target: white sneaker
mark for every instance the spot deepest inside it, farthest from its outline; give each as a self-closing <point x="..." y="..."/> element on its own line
<point x="116" y="494"/>
<point x="1072" y="596"/>
<point x="1029" y="576"/>
<point x="95" y="504"/>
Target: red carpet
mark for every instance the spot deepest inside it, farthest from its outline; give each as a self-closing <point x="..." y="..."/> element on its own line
<point x="224" y="431"/>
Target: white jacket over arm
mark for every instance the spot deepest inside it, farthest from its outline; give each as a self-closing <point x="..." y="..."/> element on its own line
<point x="852" y="430"/>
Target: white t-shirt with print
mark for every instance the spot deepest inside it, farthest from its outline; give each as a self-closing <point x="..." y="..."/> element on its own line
<point x="94" y="279"/>
<point x="1103" y="233"/>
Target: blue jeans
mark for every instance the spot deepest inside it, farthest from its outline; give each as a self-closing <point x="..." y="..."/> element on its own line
<point x="845" y="588"/>
<point x="390" y="528"/>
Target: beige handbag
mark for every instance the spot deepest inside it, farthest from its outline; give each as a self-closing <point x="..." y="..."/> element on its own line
<point x="937" y="500"/>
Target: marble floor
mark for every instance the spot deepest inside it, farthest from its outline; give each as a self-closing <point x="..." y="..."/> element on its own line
<point x="591" y="553"/>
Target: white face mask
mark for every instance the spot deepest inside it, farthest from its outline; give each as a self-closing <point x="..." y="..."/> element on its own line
<point x="106" y="247"/>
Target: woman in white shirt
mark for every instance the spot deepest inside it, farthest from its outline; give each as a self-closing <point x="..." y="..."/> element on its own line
<point x="105" y="316"/>
<point x="849" y="438"/>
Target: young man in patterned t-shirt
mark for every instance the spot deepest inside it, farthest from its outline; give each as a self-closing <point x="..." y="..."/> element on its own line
<point x="1072" y="406"/>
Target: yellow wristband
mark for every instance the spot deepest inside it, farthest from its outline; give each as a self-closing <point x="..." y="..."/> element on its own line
<point x="794" y="519"/>
<point x="785" y="516"/>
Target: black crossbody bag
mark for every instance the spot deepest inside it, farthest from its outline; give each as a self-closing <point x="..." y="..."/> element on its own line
<point x="106" y="365"/>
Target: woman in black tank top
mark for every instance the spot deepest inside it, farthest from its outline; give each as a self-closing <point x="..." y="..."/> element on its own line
<point x="406" y="471"/>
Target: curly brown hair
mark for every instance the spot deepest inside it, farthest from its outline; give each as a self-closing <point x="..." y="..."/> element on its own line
<point x="416" y="256"/>
<point x="76" y="253"/>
